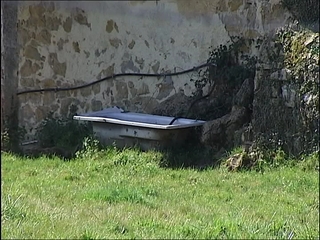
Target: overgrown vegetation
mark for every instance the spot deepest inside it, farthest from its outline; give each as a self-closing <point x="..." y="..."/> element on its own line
<point x="290" y="118"/>
<point x="62" y="132"/>
<point x="232" y="65"/>
<point x="301" y="58"/>
<point x="306" y="11"/>
<point x="11" y="136"/>
<point x="113" y="193"/>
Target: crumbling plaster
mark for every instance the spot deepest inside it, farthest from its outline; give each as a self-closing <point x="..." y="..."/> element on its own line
<point x="68" y="43"/>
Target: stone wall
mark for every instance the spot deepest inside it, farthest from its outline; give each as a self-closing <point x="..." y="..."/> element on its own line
<point x="63" y="44"/>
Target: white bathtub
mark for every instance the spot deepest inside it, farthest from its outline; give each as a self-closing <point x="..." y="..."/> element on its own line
<point x="128" y="129"/>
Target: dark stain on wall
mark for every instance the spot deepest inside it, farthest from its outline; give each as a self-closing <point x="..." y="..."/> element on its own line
<point x="140" y="61"/>
<point x="129" y="65"/>
<point x="81" y="18"/>
<point x="111" y="25"/>
<point x="165" y="87"/>
<point x="115" y="42"/>
<point x="60" y="44"/>
<point x="67" y="24"/>
<point x="44" y="37"/>
<point x="131" y="44"/>
<point x="155" y="67"/>
<point x="76" y="47"/>
<point x="116" y="27"/>
<point x="86" y="53"/>
<point x="28" y="68"/>
<point x="32" y="53"/>
<point x="146" y="42"/>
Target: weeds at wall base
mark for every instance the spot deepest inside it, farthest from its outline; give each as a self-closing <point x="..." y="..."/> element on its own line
<point x="11" y="136"/>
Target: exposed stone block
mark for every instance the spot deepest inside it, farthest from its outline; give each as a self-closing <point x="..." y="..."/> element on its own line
<point x="96" y="105"/>
<point x="27" y="82"/>
<point x="49" y="98"/>
<point x="57" y="67"/>
<point x="67" y="24"/>
<point x="144" y="89"/>
<point x="122" y="90"/>
<point x="44" y="37"/>
<point x="32" y="53"/>
<point x="41" y="112"/>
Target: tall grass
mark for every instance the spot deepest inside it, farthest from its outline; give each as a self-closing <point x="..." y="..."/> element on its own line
<point x="127" y="193"/>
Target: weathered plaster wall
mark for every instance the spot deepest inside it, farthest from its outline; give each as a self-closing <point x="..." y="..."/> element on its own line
<point x="64" y="44"/>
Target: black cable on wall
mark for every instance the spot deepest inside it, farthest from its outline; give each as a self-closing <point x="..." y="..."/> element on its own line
<point x="115" y="76"/>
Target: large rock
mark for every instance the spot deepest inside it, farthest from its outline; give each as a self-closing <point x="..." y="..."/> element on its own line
<point x="219" y="132"/>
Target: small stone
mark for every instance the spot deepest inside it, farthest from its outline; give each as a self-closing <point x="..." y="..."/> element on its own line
<point x="96" y="105"/>
<point x="27" y="112"/>
<point x="122" y="90"/>
<point x="130" y="84"/>
<point x="133" y="92"/>
<point x="155" y="67"/>
<point x="234" y="5"/>
<point x="109" y="26"/>
<point x="67" y="24"/>
<point x="115" y="42"/>
<point x="81" y="18"/>
<point x="41" y="113"/>
<point x="32" y="53"/>
<point x="76" y="47"/>
<point x="48" y="98"/>
<point x="53" y="23"/>
<point x="27" y="82"/>
<point x="44" y="37"/>
<point x="131" y="45"/>
<point x="48" y="83"/>
<point x="25" y="70"/>
<point x="144" y="89"/>
<point x="57" y="67"/>
<point x="96" y="88"/>
<point x="64" y="107"/>
<point x="85" y="92"/>
<point x="23" y="36"/>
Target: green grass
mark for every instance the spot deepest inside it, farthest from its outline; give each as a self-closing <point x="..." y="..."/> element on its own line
<point x="126" y="194"/>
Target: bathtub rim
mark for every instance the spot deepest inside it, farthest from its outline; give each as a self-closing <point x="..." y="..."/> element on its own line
<point x="139" y="124"/>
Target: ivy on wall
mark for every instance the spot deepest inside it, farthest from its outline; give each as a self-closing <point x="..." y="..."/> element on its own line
<point x="287" y="104"/>
<point x="306" y="11"/>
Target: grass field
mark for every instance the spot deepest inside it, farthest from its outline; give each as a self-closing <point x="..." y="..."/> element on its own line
<point x="127" y="194"/>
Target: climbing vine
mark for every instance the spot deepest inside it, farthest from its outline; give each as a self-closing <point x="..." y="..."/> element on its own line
<point x="231" y="65"/>
<point x="306" y="11"/>
<point x="301" y="59"/>
<point x="287" y="102"/>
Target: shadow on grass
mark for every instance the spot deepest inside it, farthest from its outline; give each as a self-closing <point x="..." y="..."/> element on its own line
<point x="194" y="156"/>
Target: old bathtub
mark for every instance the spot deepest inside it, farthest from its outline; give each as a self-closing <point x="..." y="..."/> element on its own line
<point x="128" y="129"/>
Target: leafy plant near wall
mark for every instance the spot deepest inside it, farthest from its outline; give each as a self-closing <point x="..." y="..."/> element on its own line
<point x="62" y="132"/>
<point x="301" y="57"/>
<point x="287" y="107"/>
<point x="306" y="11"/>
<point x="11" y="136"/>
<point x="232" y="65"/>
